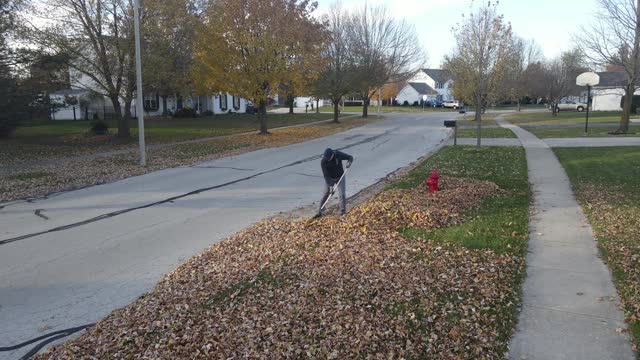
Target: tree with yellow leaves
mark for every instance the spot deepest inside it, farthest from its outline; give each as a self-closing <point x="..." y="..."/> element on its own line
<point x="252" y="47"/>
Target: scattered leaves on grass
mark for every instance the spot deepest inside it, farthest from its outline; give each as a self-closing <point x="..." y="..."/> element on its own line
<point x="18" y="183"/>
<point x="336" y="287"/>
<point x="615" y="217"/>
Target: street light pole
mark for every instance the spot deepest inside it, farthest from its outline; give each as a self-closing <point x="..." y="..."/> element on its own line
<point x="139" y="97"/>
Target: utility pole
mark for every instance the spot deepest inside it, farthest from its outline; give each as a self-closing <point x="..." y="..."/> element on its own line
<point x="139" y="98"/>
<point x="379" y="101"/>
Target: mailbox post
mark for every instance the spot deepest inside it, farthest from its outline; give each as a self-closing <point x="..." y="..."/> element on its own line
<point x="453" y="124"/>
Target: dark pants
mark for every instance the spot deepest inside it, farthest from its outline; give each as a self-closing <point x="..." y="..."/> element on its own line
<point x="342" y="190"/>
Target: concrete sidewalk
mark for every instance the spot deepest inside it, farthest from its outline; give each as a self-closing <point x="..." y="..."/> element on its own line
<point x="555" y="142"/>
<point x="593" y="142"/>
<point x="487" y="142"/>
<point x="570" y="306"/>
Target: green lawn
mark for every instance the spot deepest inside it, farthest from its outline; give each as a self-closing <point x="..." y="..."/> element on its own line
<point x="564" y="117"/>
<point x="515" y="107"/>
<point x="605" y="168"/>
<point x="487" y="133"/>
<point x="468" y="120"/>
<point x="501" y="222"/>
<point x="388" y="109"/>
<point x="172" y="129"/>
<point x="579" y="132"/>
<point x="607" y="185"/>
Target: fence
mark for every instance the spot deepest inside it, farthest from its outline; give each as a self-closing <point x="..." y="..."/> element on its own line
<point x="87" y="113"/>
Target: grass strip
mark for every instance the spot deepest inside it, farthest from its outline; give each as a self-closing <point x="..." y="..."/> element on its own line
<point x="606" y="184"/>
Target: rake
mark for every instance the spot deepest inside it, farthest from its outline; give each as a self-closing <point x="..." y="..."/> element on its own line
<point x="333" y="189"/>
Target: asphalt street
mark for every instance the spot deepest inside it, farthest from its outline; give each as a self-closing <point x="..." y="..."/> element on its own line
<point x="69" y="260"/>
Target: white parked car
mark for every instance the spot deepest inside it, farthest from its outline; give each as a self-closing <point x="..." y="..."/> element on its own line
<point x="571" y="106"/>
<point x="451" y="104"/>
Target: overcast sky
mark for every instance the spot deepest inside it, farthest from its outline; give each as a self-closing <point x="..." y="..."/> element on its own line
<point x="550" y="22"/>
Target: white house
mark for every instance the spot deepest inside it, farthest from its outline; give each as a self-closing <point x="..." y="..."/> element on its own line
<point x="414" y="91"/>
<point x="216" y="104"/>
<point x="89" y="105"/>
<point x="299" y="102"/>
<point x="438" y="82"/>
<point x="607" y="96"/>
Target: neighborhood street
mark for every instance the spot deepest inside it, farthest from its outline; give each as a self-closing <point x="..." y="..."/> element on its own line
<point x="69" y="260"/>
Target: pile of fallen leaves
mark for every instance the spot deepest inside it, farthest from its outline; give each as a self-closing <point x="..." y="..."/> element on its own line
<point x="49" y="176"/>
<point x="337" y="287"/>
<point x="616" y="223"/>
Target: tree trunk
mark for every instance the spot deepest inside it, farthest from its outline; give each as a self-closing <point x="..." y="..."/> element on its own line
<point x="317" y="106"/>
<point x="127" y="114"/>
<point x="165" y="112"/>
<point x="262" y="115"/>
<point x="519" y="105"/>
<point x="478" y="119"/>
<point x="336" y="111"/>
<point x="290" y="100"/>
<point x="123" y="121"/>
<point x="623" y="128"/>
<point x="365" y="107"/>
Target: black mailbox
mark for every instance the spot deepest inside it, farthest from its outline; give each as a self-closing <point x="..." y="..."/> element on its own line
<point x="450" y="123"/>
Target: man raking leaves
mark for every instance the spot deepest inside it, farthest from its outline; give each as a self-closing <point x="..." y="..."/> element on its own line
<point x="334" y="177"/>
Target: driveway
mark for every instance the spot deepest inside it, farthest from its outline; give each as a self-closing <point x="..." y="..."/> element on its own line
<point x="69" y="260"/>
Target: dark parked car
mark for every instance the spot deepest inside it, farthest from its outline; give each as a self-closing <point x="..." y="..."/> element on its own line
<point x="251" y="109"/>
<point x="436" y="104"/>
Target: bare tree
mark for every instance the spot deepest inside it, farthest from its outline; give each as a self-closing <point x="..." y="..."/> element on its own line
<point x="614" y="39"/>
<point x="481" y="59"/>
<point x="534" y="78"/>
<point x="516" y="85"/>
<point x="559" y="77"/>
<point x="98" y="36"/>
<point x="385" y="50"/>
<point x="337" y="78"/>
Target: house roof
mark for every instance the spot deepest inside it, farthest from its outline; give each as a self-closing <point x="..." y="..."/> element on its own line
<point x="423" y="88"/>
<point x="613" y="79"/>
<point x="438" y="75"/>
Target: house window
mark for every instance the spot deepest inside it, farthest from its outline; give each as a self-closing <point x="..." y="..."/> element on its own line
<point x="236" y="103"/>
<point x="439" y="85"/>
<point x="151" y="103"/>
<point x="223" y="102"/>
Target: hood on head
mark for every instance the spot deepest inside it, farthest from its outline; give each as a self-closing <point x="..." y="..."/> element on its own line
<point x="328" y="154"/>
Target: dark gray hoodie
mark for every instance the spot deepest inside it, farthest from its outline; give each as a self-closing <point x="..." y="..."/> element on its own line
<point x="332" y="164"/>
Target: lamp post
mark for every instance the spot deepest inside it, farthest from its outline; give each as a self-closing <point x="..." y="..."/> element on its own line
<point x="588" y="79"/>
<point x="139" y="97"/>
<point x="424" y="100"/>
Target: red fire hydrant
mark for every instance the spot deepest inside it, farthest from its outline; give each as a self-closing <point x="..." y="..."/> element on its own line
<point x="432" y="181"/>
